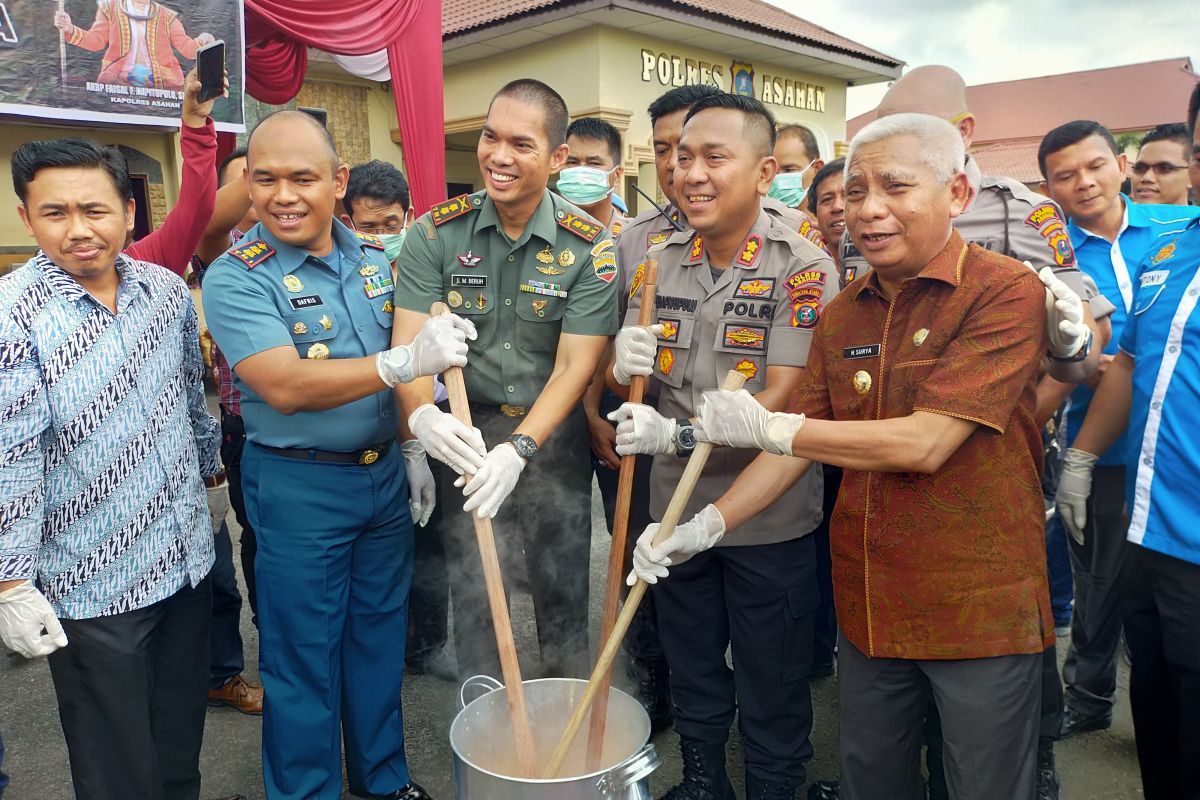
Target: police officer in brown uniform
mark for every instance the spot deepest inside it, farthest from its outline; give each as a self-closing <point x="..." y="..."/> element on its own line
<point x="741" y="292"/>
<point x="537" y="278"/>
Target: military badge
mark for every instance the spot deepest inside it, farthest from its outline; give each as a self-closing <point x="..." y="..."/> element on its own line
<point x="292" y="283"/>
<point x="666" y="360"/>
<point x="539" y="307"/>
<point x="566" y="258"/>
<point x="546" y="255"/>
<point x="469" y="259"/>
<point x="1163" y="254"/>
<point x="747" y="368"/>
<point x="670" y="331"/>
<point x="299" y="328"/>
<point x="318" y="351"/>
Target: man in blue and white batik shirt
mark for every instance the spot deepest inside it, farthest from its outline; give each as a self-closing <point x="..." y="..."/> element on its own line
<point x="106" y="446"/>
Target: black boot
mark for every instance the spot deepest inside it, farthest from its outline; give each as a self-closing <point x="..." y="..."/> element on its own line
<point x="654" y="693"/>
<point x="1047" y="775"/>
<point x="823" y="790"/>
<point x="759" y="789"/>
<point x="704" y="776"/>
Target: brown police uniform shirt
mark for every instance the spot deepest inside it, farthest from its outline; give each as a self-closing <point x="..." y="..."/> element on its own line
<point x="953" y="564"/>
<point x="759" y="312"/>
<point x="638" y="235"/>
<point x="1007" y="217"/>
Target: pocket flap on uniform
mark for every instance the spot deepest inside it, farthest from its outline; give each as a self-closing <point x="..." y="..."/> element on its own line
<point x="311" y="325"/>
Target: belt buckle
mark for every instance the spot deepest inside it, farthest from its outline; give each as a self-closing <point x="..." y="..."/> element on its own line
<point x="512" y="411"/>
<point x="368" y="457"/>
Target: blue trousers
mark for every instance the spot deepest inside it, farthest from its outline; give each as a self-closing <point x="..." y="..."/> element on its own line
<point x="3" y="777"/>
<point x="334" y="567"/>
<point x="1058" y="562"/>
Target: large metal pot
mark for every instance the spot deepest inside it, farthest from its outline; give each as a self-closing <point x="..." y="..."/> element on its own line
<point x="484" y="754"/>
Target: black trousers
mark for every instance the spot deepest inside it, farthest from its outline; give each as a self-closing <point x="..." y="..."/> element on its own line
<point x="1090" y="669"/>
<point x="429" y="598"/>
<point x="825" y="620"/>
<point x="233" y="442"/>
<point x="3" y="777"/>
<point x="548" y="516"/>
<point x="1162" y="626"/>
<point x="228" y="657"/>
<point x="759" y="599"/>
<point x="131" y="697"/>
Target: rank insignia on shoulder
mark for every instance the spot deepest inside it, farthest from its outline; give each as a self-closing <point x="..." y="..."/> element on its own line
<point x="253" y="253"/>
<point x="697" y="251"/>
<point x="750" y="250"/>
<point x="450" y="209"/>
<point x="584" y="228"/>
<point x="369" y="240"/>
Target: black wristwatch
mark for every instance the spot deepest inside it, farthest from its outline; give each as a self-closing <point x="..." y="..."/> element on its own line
<point x="1079" y="355"/>
<point x="685" y="437"/>
<point x="525" y="445"/>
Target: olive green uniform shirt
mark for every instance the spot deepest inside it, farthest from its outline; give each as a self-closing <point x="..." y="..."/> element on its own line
<point x="759" y="312"/>
<point x="558" y="277"/>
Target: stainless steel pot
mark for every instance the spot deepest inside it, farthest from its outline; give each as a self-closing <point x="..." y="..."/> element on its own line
<point x="484" y="754"/>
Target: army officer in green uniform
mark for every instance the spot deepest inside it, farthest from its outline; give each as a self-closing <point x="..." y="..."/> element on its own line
<point x="537" y="277"/>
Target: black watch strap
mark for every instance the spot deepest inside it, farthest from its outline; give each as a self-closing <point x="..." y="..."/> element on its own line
<point x="525" y="446"/>
<point x="685" y="437"/>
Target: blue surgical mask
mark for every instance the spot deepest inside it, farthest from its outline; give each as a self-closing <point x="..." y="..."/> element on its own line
<point x="584" y="185"/>
<point x="788" y="188"/>
<point x="392" y="242"/>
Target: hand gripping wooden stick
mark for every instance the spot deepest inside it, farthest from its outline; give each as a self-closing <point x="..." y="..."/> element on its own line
<point x="683" y="492"/>
<point x="510" y="668"/>
<point x="620" y="531"/>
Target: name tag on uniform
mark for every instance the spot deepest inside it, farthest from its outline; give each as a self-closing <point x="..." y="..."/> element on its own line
<point x="1155" y="277"/>
<point x="861" y="351"/>
<point x="308" y="301"/>
<point x="469" y="281"/>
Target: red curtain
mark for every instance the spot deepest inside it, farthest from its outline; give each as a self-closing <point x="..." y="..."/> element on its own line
<point x="277" y="32"/>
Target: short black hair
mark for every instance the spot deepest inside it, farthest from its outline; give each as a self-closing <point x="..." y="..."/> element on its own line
<point x="536" y="93"/>
<point x="806" y="137"/>
<point x="758" y="118"/>
<point x="681" y="98"/>
<point x="1168" y="131"/>
<point x="31" y="157"/>
<point x="834" y="167"/>
<point x="238" y="152"/>
<point x="291" y="113"/>
<point x="1193" y="110"/>
<point x="600" y="131"/>
<point x="1075" y="132"/>
<point x="375" y="180"/>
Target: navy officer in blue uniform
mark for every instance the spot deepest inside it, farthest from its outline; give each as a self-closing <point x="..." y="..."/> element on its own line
<point x="302" y="308"/>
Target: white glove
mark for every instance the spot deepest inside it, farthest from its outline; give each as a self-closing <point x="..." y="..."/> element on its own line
<point x="1064" y="316"/>
<point x="23" y="614"/>
<point x="700" y="533"/>
<point x="448" y="440"/>
<point x="441" y="343"/>
<point x="735" y="419"/>
<point x="1074" y="488"/>
<point x="494" y="481"/>
<point x="422" y="492"/>
<point x="641" y="429"/>
<point x="633" y="352"/>
<point x="218" y="504"/>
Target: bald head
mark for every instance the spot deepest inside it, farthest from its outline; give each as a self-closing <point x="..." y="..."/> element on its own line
<point x="283" y="130"/>
<point x="935" y="90"/>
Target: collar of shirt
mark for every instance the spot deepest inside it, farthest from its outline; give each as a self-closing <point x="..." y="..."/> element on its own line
<point x="131" y="273"/>
<point x="1133" y="216"/>
<point x="542" y="224"/>
<point x="289" y="258"/>
<point x="762" y="225"/>
<point x="946" y="266"/>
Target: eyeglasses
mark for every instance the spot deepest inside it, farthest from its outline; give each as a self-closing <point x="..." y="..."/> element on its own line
<point x="377" y="230"/>
<point x="1161" y="168"/>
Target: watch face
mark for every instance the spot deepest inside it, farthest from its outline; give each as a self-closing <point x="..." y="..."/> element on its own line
<point x="525" y="445"/>
<point x="687" y="437"/>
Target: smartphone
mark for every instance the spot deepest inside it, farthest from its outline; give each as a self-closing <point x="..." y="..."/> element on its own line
<point x="210" y="65"/>
<point x="319" y="114"/>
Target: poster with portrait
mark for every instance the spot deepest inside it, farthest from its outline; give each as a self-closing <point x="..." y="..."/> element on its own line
<point x="115" y="61"/>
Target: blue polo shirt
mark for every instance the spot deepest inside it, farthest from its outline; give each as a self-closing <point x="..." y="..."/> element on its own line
<point x="1113" y="270"/>
<point x="263" y="294"/>
<point x="1163" y="336"/>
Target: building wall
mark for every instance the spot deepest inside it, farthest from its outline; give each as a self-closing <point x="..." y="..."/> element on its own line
<point x="603" y="71"/>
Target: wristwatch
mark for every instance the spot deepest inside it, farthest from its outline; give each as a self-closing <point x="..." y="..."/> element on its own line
<point x="525" y="445"/>
<point x="685" y="437"/>
<point x="1079" y="355"/>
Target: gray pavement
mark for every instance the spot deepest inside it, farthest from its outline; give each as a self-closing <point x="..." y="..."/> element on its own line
<point x="1095" y="765"/>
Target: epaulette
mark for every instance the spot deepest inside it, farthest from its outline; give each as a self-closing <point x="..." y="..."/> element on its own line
<point x="369" y="240"/>
<point x="451" y="209"/>
<point x="251" y="253"/>
<point x="582" y="227"/>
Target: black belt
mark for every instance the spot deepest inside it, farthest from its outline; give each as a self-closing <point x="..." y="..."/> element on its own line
<point x="504" y="410"/>
<point x="367" y="456"/>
